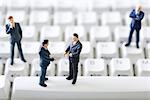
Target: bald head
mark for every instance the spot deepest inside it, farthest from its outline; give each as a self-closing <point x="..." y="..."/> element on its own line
<point x="138" y="7"/>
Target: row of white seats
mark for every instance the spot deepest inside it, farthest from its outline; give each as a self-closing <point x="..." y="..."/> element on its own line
<point x="69" y="18"/>
<point x="91" y="67"/>
<point x="71" y="5"/>
<point x="95" y="34"/>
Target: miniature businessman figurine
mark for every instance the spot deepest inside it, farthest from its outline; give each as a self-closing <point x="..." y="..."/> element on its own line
<point x="73" y="50"/>
<point x="44" y="62"/>
<point x="137" y="15"/>
<point x="15" y="32"/>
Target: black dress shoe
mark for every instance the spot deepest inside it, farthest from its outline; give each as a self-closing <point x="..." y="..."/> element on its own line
<point x="46" y="79"/>
<point x="43" y="85"/>
<point x="11" y="63"/>
<point x="74" y="82"/>
<point x="137" y="46"/>
<point x="69" y="78"/>
<point x="24" y="60"/>
<point x="127" y="44"/>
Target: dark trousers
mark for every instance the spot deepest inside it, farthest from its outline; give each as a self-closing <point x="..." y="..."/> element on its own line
<point x="42" y="76"/>
<point x="19" y="49"/>
<point x="137" y="35"/>
<point x="73" y="69"/>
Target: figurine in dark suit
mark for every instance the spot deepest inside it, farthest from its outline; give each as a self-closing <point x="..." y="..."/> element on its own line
<point x="15" y="32"/>
<point x="73" y="50"/>
<point x="137" y="15"/>
<point x="44" y="62"/>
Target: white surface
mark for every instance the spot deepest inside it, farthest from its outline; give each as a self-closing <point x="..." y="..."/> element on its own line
<point x="4" y="49"/>
<point x="19" y="16"/>
<point x="31" y="50"/>
<point x="120" y="67"/>
<point x="62" y="5"/>
<point x="4" y="88"/>
<point x="29" y="33"/>
<point x="145" y="37"/>
<point x="94" y="67"/>
<point x="101" y="5"/>
<point x="18" y="69"/>
<point x="1" y="67"/>
<point x="124" y="5"/>
<point x="148" y="50"/>
<point x="107" y="50"/>
<point x="57" y="49"/>
<point x="63" y="19"/>
<point x="36" y="69"/>
<point x="17" y="4"/>
<point x="81" y="6"/>
<point x="63" y="67"/>
<point x="80" y="30"/>
<point x="111" y="18"/>
<point x="87" y="50"/>
<point x="87" y="19"/>
<point x="1" y="18"/>
<point x="3" y="35"/>
<point x="86" y="88"/>
<point x="52" y="33"/>
<point x="41" y="4"/>
<point x="100" y="34"/>
<point x="39" y="18"/>
<point x="132" y="52"/>
<point x="142" y="67"/>
<point x="121" y="34"/>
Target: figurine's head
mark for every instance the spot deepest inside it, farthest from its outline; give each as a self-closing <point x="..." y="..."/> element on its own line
<point x="75" y="37"/>
<point x="11" y="19"/>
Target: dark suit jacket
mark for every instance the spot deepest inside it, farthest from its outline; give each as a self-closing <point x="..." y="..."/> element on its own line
<point x="15" y="33"/>
<point x="136" y="19"/>
<point x="75" y="50"/>
<point x="45" y="57"/>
